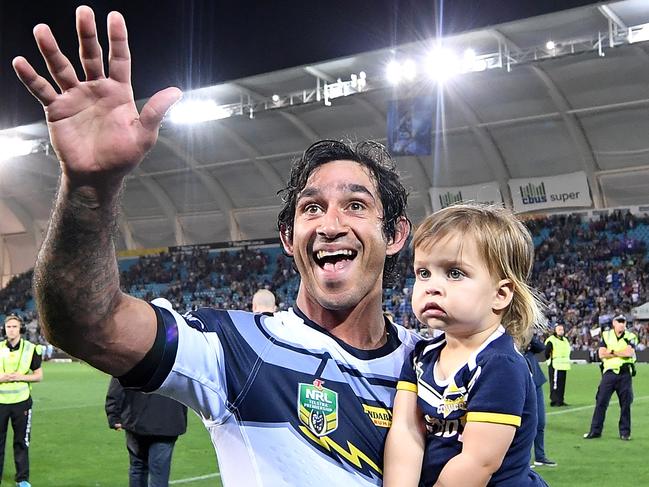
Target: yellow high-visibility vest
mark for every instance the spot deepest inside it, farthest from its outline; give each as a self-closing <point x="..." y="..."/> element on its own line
<point x="560" y="358"/>
<point x="18" y="361"/>
<point x="615" y="344"/>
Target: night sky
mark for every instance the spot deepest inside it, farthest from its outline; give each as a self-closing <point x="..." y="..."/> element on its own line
<point x="193" y="43"/>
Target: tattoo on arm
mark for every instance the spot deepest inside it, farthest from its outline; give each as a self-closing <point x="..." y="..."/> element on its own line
<point x="76" y="278"/>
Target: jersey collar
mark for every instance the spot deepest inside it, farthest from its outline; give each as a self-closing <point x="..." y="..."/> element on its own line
<point x="390" y="345"/>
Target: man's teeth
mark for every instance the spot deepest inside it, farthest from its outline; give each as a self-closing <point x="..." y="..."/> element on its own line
<point x="321" y="254"/>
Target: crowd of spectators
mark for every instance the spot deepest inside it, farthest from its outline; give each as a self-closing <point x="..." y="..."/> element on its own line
<point x="587" y="270"/>
<point x="17" y="294"/>
<point x="195" y="277"/>
<point x="591" y="270"/>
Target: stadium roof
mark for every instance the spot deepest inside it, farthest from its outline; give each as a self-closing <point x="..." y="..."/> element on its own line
<point x="539" y="110"/>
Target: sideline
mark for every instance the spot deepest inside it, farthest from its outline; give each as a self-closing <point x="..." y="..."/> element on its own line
<point x="591" y="406"/>
<point x="193" y="479"/>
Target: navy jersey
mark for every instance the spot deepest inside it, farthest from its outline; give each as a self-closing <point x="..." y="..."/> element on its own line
<point x="285" y="402"/>
<point x="494" y="386"/>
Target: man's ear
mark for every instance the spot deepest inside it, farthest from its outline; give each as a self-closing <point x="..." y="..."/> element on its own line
<point x="287" y="239"/>
<point x="504" y="294"/>
<point x="401" y="232"/>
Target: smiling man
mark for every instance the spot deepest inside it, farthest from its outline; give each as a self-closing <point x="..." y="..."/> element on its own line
<point x="291" y="397"/>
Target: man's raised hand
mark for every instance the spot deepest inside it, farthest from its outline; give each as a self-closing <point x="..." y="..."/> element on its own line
<point x="94" y="125"/>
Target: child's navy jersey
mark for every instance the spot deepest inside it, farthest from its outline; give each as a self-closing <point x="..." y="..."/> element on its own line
<point x="494" y="386"/>
<point x="285" y="402"/>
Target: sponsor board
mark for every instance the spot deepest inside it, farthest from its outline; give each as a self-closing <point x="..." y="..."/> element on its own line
<point x="481" y="193"/>
<point x="563" y="191"/>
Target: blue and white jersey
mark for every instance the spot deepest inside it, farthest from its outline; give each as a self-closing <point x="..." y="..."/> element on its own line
<point x="494" y="386"/>
<point x="285" y="402"/>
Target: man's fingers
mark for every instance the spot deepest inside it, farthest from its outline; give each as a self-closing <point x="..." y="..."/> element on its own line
<point x="59" y="66"/>
<point x="89" y="49"/>
<point x="155" y="109"/>
<point x="119" y="57"/>
<point x="37" y="85"/>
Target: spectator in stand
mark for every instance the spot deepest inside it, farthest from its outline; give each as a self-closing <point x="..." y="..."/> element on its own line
<point x="263" y="301"/>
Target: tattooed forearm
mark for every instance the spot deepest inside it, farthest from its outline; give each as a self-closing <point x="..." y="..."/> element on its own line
<point x="76" y="278"/>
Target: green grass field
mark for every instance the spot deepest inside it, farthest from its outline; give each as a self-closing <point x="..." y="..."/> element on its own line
<point x="73" y="447"/>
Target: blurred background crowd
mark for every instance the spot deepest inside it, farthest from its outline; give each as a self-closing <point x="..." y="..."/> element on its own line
<point x="588" y="270"/>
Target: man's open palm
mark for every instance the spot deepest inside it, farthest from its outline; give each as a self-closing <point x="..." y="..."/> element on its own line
<point x="94" y="125"/>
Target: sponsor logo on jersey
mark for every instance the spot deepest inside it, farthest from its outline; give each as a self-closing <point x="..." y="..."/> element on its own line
<point x="318" y="407"/>
<point x="380" y="416"/>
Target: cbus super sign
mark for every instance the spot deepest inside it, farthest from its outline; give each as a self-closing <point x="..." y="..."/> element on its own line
<point x="532" y="194"/>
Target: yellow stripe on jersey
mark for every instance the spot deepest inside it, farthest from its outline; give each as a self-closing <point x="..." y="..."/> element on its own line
<point x="406" y="386"/>
<point x="494" y="418"/>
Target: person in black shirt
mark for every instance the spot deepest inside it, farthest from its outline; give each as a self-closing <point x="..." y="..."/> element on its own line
<point x="152" y="424"/>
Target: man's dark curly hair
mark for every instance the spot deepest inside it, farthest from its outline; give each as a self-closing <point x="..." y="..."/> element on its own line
<point x="382" y="167"/>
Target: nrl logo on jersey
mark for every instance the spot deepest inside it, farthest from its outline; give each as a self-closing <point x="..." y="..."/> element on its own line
<point x="317" y="407"/>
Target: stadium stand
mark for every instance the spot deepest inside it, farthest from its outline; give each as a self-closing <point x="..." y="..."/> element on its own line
<point x="587" y="269"/>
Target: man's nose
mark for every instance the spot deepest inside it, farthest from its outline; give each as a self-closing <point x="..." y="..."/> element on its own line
<point x="332" y="224"/>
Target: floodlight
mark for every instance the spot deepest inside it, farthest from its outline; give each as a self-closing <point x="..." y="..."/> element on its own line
<point x="469" y="56"/>
<point x="275" y="98"/>
<point x="442" y="64"/>
<point x="393" y="72"/>
<point x="196" y="111"/>
<point x="362" y="81"/>
<point x="409" y="69"/>
<point x="15" y="147"/>
<point x="471" y="62"/>
<point x="479" y="65"/>
<point x="550" y="45"/>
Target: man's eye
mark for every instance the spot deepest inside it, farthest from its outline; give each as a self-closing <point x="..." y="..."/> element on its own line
<point x="356" y="206"/>
<point x="455" y="274"/>
<point x="311" y="209"/>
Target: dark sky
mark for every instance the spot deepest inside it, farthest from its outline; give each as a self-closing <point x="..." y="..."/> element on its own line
<point x="192" y="43"/>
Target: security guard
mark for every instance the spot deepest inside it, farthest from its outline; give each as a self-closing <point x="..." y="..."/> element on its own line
<point x="20" y="363"/>
<point x="617" y="351"/>
<point x="557" y="351"/>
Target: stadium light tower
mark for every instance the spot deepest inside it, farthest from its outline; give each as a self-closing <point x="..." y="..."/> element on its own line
<point x="409" y="70"/>
<point x="11" y="146"/>
<point x="196" y="111"/>
<point x="442" y="64"/>
<point x="393" y="72"/>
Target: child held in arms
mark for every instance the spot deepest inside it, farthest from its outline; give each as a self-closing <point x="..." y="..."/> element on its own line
<point x="465" y="409"/>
